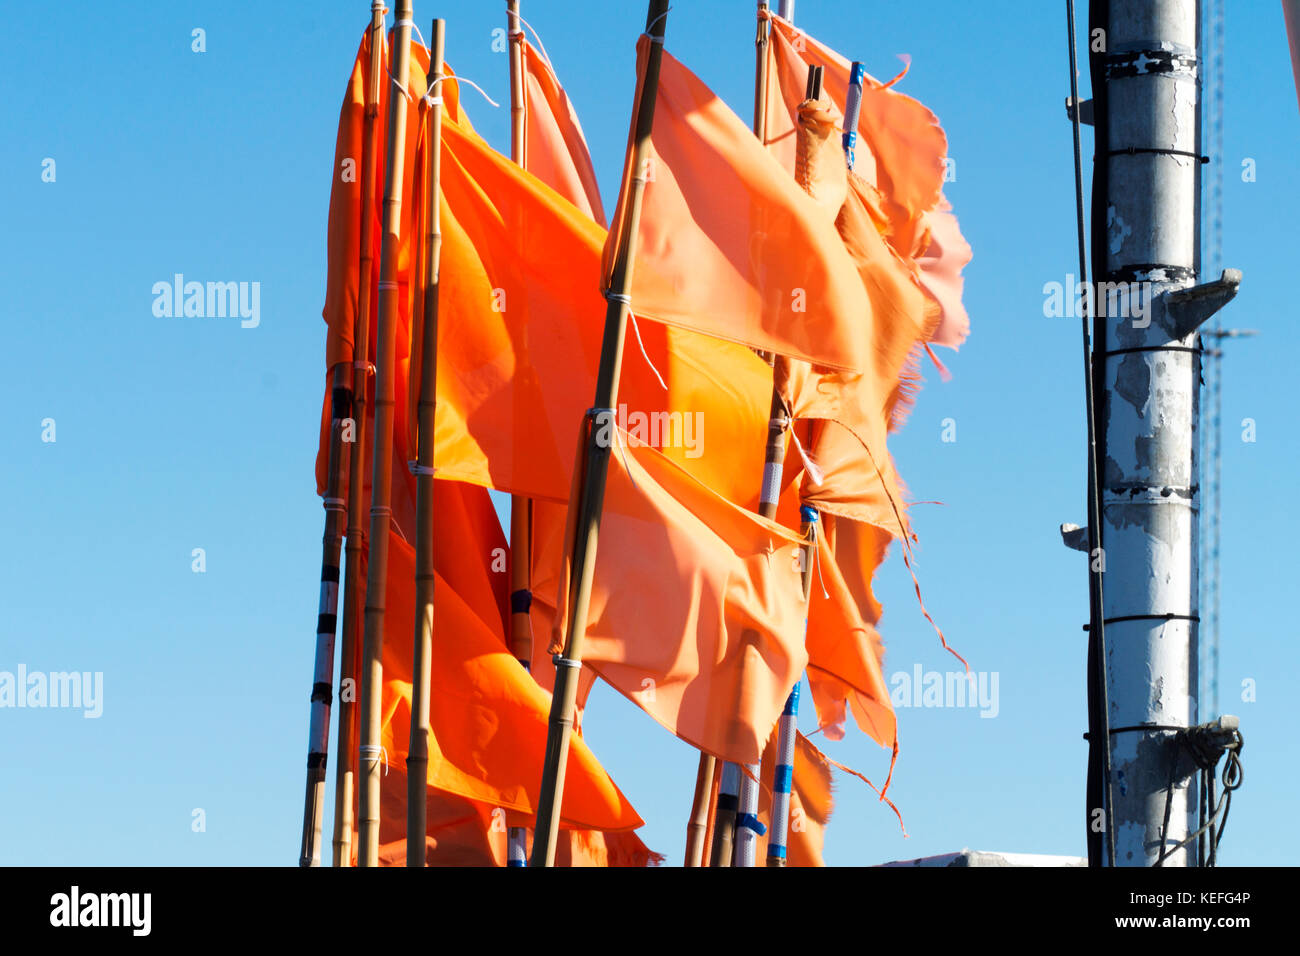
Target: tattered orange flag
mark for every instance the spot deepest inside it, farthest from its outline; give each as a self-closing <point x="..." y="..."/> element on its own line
<point x="696" y="611"/>
<point x="844" y="658"/>
<point x="901" y="154"/>
<point x="727" y="243"/>
<point x="555" y="150"/>
<point x="520" y="328"/>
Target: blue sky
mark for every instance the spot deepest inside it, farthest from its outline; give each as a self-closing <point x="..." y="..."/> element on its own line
<point x="175" y="434"/>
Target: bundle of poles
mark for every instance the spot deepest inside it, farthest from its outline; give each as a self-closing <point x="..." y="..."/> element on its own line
<point x="725" y="804"/>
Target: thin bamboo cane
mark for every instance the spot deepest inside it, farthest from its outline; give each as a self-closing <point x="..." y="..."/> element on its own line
<point x="521" y="509"/>
<point x="353" y="592"/>
<point x="417" y="761"/>
<point x="728" y="801"/>
<point x="697" y="828"/>
<point x="381" y="491"/>
<point x="600" y="422"/>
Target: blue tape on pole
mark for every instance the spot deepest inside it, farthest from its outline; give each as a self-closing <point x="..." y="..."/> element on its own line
<point x="776" y="851"/>
<point x="782" y="779"/>
<point x="750" y="822"/>
<point x="521" y="601"/>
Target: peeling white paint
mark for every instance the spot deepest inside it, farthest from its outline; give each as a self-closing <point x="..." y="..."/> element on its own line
<point x="1116" y="231"/>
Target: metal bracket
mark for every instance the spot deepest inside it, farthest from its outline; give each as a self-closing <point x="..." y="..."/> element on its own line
<point x="1074" y="537"/>
<point x="1085" y="111"/>
<point x="1189" y="308"/>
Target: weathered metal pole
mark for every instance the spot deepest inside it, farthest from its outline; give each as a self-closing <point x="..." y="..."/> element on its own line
<point x="1148" y="356"/>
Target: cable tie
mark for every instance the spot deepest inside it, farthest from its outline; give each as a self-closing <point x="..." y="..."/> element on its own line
<point x="374" y="753"/>
<point x="418" y="469"/>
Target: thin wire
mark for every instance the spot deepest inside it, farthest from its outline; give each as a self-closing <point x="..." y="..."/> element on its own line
<point x="1097" y="627"/>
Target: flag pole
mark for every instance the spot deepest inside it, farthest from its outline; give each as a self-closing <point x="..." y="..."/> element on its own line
<point x="353" y="593"/>
<point x="342" y="412"/>
<point x="599" y="422"/>
<point x="521" y="508"/>
<point x="417" y="760"/>
<point x="788" y="726"/>
<point x="783" y="778"/>
<point x="724" y="805"/>
<point x="731" y="846"/>
<point x="322" y="691"/>
<point x="380" y="486"/>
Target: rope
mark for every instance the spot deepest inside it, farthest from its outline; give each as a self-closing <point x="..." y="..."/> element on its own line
<point x="1232" y="778"/>
<point x="651" y="25"/>
<point x="1100" y="709"/>
<point x="644" y="354"/>
<point x="464" y="79"/>
<point x="540" y="48"/>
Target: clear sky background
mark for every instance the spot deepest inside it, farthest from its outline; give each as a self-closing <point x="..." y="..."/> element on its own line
<point x="175" y="434"/>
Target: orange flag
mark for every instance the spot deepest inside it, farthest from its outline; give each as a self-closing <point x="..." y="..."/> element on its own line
<point x="555" y="150"/>
<point x="844" y="657"/>
<point x="901" y="155"/>
<point x="465" y="833"/>
<point x="520" y="331"/>
<point x="728" y="244"/>
<point x="488" y="717"/>
<point x="696" y="611"/>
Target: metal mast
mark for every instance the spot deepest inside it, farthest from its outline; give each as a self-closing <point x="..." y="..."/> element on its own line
<point x="1148" y="360"/>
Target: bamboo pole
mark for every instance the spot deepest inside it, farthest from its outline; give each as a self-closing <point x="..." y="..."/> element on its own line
<point x="353" y="593"/>
<point x="697" y="828"/>
<point x="723" y="805"/>
<point x="599" y="421"/>
<point x="521" y="509"/>
<point x="417" y="760"/>
<point x="380" y="485"/>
